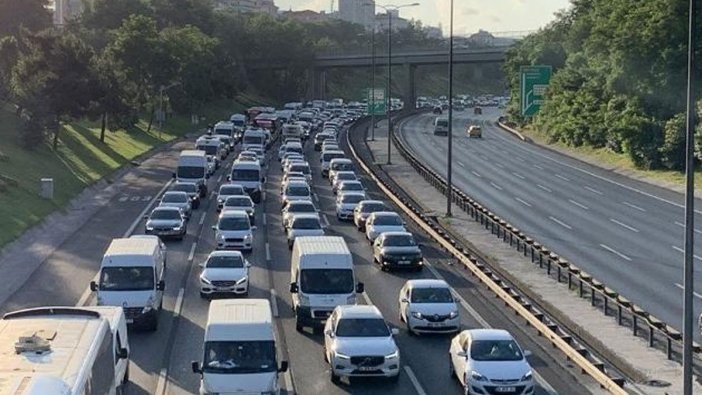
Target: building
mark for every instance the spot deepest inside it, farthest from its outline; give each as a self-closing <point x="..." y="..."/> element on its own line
<point x="307" y="16"/>
<point x="486" y="39"/>
<point x="356" y="11"/>
<point x="247" y="6"/>
<point x="398" y="23"/>
<point x="433" y="32"/>
<point x="64" y="10"/>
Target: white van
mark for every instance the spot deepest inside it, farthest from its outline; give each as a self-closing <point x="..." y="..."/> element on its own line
<point x="239" y="353"/>
<point x="292" y="130"/>
<point x="340" y="164"/>
<point x="213" y="146"/>
<point x="441" y="126"/>
<point x="250" y="176"/>
<point x="132" y="276"/>
<point x="225" y="131"/>
<point x="192" y="167"/>
<point x="64" y="350"/>
<point x="321" y="278"/>
<point x="327" y="157"/>
<point x="253" y="138"/>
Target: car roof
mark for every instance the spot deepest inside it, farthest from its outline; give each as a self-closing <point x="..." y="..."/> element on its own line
<point x="234" y="214"/>
<point x="236" y="197"/>
<point x="180" y="193"/>
<point x="489" y="334"/>
<point x="385" y="214"/>
<point x="225" y="253"/>
<point x="294" y="182"/>
<point x="359" y="311"/>
<point x="385" y="234"/>
<point x="350" y="182"/>
<point x="351" y="193"/>
<point x="371" y="202"/>
<point x="165" y="208"/>
<point x="427" y="283"/>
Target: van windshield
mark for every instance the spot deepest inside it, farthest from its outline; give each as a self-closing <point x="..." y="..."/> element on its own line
<point x="442" y="123"/>
<point x="326" y="281"/>
<point x="239" y="357"/>
<point x="225" y="132"/>
<point x="253" y="140"/>
<point x="245" y="174"/>
<point x="209" y="149"/>
<point x="190" y="172"/>
<point x="137" y="278"/>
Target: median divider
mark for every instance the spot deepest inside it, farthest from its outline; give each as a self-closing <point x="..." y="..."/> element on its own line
<point x="578" y="354"/>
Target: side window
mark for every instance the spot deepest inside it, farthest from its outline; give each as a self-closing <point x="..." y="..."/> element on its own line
<point x="118" y="346"/>
<point x="102" y="375"/>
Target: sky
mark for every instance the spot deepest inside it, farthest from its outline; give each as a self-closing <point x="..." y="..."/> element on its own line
<point x="469" y="15"/>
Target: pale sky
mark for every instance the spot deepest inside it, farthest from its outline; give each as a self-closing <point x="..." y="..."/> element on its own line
<point x="469" y="15"/>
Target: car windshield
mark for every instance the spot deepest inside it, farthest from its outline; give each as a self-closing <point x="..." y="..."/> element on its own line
<point x="225" y="261"/>
<point x="209" y="149"/>
<point x="329" y="156"/>
<point x="442" y="123"/>
<point x="346" y="176"/>
<point x="237" y="201"/>
<point x="239" y="357"/>
<point x="174" y="198"/>
<point x="165" y="214"/>
<point x="351" y="199"/>
<point x="302" y="208"/>
<point x="302" y="168"/>
<point x="294" y="149"/>
<point x="135" y="278"/>
<point x="362" y="327"/>
<point x="245" y="174"/>
<point x="326" y="281"/>
<point x="253" y="140"/>
<point x="189" y="188"/>
<point x="389" y="220"/>
<point x="495" y="350"/>
<point x="373" y="207"/>
<point x="343" y="166"/>
<point x="225" y="132"/>
<point x="234" y="223"/>
<point x="231" y="190"/>
<point x="431" y="295"/>
<point x="297" y="190"/>
<point x="306" y="223"/>
<point x="351" y="186"/>
<point x="190" y="172"/>
<point x="399" y="241"/>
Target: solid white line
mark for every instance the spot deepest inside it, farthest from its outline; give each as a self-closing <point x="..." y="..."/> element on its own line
<point x="274" y="303"/>
<point x="287" y="376"/>
<point x="202" y="218"/>
<point x="325" y="221"/>
<point x="559" y="222"/>
<point x="676" y="248"/>
<point x="179" y="302"/>
<point x="635" y="207"/>
<point x="268" y="252"/>
<point x="461" y="164"/>
<point x="683" y="288"/>
<point x="522" y="202"/>
<point x="496" y="186"/>
<point x="518" y="175"/>
<point x="161" y="386"/>
<point x="622" y="224"/>
<point x="264" y="220"/>
<point x="682" y="225"/>
<point x="143" y="212"/>
<point x="544" y="188"/>
<point x="191" y="255"/>
<point x="582" y="206"/>
<point x="476" y="174"/>
<point x="538" y="167"/>
<point x="615" y="252"/>
<point x="219" y="179"/>
<point x="593" y="190"/>
<point x="367" y="298"/>
<point x="415" y="382"/>
<point x="561" y="177"/>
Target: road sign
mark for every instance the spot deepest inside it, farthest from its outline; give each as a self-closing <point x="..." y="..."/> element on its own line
<point x="533" y="81"/>
<point x="376" y="101"/>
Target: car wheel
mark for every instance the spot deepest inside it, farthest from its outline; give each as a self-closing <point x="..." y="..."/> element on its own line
<point x="298" y="325"/>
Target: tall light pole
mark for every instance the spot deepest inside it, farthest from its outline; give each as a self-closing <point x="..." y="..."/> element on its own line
<point x="161" y="116"/>
<point x="373" y="81"/>
<point x="449" y="194"/>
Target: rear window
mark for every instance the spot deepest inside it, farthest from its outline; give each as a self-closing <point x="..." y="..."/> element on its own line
<point x="331" y="155"/>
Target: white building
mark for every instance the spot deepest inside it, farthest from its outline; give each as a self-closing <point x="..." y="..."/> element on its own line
<point x="247" y="6"/>
<point x="64" y="10"/>
<point x="355" y="11"/>
<point x="398" y="23"/>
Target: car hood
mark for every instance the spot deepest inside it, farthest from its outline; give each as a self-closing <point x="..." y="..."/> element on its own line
<point x="164" y="222"/>
<point x="355" y="346"/>
<point x="239" y="383"/>
<point x="305" y="232"/>
<point x="433" y="308"/>
<point x="224" y="274"/>
<point x="172" y="204"/>
<point x="501" y="370"/>
<point x="400" y="250"/>
<point x="387" y="228"/>
<point x="233" y="233"/>
<point x="125" y="298"/>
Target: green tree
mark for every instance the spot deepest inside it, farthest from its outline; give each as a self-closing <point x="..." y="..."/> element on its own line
<point x="110" y="14"/>
<point x="32" y="15"/>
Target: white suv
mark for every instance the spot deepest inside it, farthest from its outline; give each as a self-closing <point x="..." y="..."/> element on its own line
<point x="234" y="231"/>
<point x="358" y="342"/>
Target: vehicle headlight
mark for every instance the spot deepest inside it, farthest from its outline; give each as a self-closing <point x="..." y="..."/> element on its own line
<point x="220" y="237"/>
<point x="527" y="376"/>
<point x="417" y="315"/>
<point x="477" y="376"/>
<point x="453" y="314"/>
<point x="248" y="237"/>
<point x="340" y="355"/>
<point x="177" y="227"/>
<point x="205" y="280"/>
<point x="395" y="354"/>
<point x="220" y="201"/>
<point x="243" y="280"/>
<point x="149" y="227"/>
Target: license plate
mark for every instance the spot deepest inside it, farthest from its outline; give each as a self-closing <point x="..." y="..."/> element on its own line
<point x="130" y="321"/>
<point x="434" y="324"/>
<point x="505" y="389"/>
<point x="403" y="262"/>
<point x="366" y="368"/>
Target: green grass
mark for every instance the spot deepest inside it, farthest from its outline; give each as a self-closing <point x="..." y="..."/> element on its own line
<point x="81" y="159"/>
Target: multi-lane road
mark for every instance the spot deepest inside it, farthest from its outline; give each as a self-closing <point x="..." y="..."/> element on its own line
<point x="624" y="232"/>
<point x="160" y="361"/>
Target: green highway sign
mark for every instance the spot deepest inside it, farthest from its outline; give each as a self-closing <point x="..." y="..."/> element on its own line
<point x="533" y="81"/>
<point x="376" y="101"/>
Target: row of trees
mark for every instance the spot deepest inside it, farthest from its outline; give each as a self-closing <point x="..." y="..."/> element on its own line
<point x="619" y="78"/>
<point x="113" y="62"/>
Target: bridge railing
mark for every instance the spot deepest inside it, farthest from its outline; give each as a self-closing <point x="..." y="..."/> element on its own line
<point x="342" y="52"/>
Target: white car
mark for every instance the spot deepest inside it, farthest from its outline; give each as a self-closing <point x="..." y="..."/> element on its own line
<point x="234" y="231"/>
<point x="228" y="190"/>
<point x="489" y="361"/>
<point x="240" y="203"/>
<point x="342" y="176"/>
<point x="358" y="342"/>
<point x="300" y="167"/>
<point x="211" y="165"/>
<point x="346" y="203"/>
<point x="427" y="306"/>
<point x="365" y="209"/>
<point x="260" y="154"/>
<point x="177" y="199"/>
<point x="291" y="178"/>
<point x="224" y="272"/>
<point x="296" y="190"/>
<point x="350" y="186"/>
<point x="383" y="221"/>
<point x="303" y="225"/>
<point x="290" y="160"/>
<point x="297" y="207"/>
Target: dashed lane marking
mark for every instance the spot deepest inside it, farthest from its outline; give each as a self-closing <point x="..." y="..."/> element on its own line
<point x="562" y="177"/>
<point x="268" y="252"/>
<point x="615" y="252"/>
<point x="559" y="222"/>
<point x="522" y="202"/>
<point x="496" y="186"/>
<point x="593" y="190"/>
<point x="544" y="188"/>
<point x="274" y="303"/>
<point x="635" y="207"/>
<point x="582" y="206"/>
<point x="623" y="225"/>
<point x="415" y="382"/>
<point x="191" y="255"/>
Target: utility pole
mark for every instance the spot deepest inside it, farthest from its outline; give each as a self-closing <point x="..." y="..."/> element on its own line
<point x="389" y="102"/>
<point x="449" y="193"/>
<point x="373" y="82"/>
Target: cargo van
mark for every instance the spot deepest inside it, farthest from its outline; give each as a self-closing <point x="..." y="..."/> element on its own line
<point x="250" y="176"/>
<point x="240" y="351"/>
<point x="64" y="350"/>
<point x="213" y="146"/>
<point x="225" y="131"/>
<point x="441" y="126"/>
<point x="192" y="167"/>
<point x="253" y="137"/>
<point x="321" y="278"/>
<point x="132" y="276"/>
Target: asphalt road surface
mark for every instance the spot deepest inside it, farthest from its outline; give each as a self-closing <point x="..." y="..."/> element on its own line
<point x="624" y="232"/>
<point x="160" y="361"/>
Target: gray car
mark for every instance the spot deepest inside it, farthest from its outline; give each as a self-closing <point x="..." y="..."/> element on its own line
<point x="166" y="222"/>
<point x="191" y="189"/>
<point x="179" y="200"/>
<point x="397" y="250"/>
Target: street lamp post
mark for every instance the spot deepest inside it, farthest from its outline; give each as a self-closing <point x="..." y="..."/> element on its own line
<point x="449" y="193"/>
<point x="161" y="116"/>
<point x="373" y="82"/>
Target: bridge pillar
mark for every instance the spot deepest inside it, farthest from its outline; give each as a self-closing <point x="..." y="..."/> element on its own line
<point x="319" y="83"/>
<point x="410" y="98"/>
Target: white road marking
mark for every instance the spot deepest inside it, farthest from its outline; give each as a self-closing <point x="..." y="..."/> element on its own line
<point x="461" y="164"/>
<point x="274" y="303"/>
<point x="519" y="158"/>
<point x="522" y="202"/>
<point x="268" y="252"/>
<point x="518" y="175"/>
<point x="325" y="221"/>
<point x="582" y="206"/>
<point x="146" y="198"/>
<point x="264" y="220"/>
<point x="179" y="302"/>
<point x="500" y="165"/>
<point x="367" y="299"/>
<point x="191" y="255"/>
<point x="135" y="198"/>
<point x="538" y="167"/>
<point x="476" y="174"/>
<point x="415" y="382"/>
<point x="161" y="386"/>
<point x="559" y="222"/>
<point x="682" y="225"/>
<point x="287" y="376"/>
<point x="593" y="190"/>
<point x="219" y="179"/>
<point x="263" y="196"/>
<point x="561" y="177"/>
<point x="622" y="224"/>
<point x="676" y="248"/>
<point x="683" y="288"/>
<point x="202" y="218"/>
<point x="316" y="198"/>
<point x="544" y="188"/>
<point x="496" y="186"/>
<point x="635" y="207"/>
<point x="615" y="252"/>
<point x="124" y="198"/>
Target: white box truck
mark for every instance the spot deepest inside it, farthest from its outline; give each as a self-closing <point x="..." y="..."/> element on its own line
<point x="240" y="351"/>
<point x="321" y="278"/>
<point x="192" y="167"/>
<point x="132" y="276"/>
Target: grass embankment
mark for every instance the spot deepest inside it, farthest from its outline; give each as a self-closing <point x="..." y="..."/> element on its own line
<point x="620" y="163"/>
<point x="80" y="160"/>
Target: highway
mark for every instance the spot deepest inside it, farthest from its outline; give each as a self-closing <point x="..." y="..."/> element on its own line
<point x="160" y="361"/>
<point x="626" y="233"/>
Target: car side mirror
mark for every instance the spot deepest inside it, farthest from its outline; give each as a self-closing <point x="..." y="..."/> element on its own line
<point x="161" y="285"/>
<point x="247" y="264"/>
<point x="283" y="367"/>
<point x="294" y="288"/>
<point x="263" y="179"/>
<point x="394" y="331"/>
<point x="329" y="333"/>
<point x="93" y="286"/>
<point x="229" y="178"/>
<point x="527" y="353"/>
<point x="173" y="175"/>
<point x="123" y="353"/>
<point x="360" y="287"/>
<point x="195" y="366"/>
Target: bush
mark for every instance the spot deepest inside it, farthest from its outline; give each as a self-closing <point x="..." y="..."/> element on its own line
<point x="31" y="134"/>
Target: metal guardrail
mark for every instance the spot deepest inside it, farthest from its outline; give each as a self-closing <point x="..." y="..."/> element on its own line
<point x="546" y="327"/>
<point x="657" y="333"/>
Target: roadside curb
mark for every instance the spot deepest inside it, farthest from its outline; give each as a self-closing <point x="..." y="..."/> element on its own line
<point x="513" y="131"/>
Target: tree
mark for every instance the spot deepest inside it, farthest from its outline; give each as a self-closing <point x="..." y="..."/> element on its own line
<point x="33" y="15"/>
<point x="110" y="14"/>
<point x="180" y="13"/>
